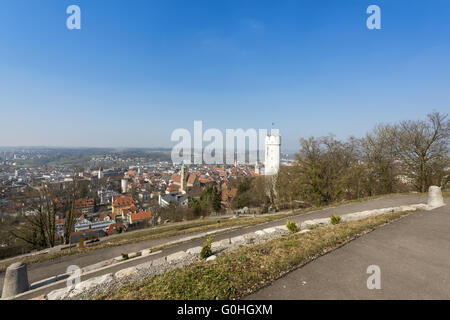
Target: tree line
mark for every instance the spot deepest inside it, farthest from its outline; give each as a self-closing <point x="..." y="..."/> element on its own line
<point x="39" y="230"/>
<point x="400" y="157"/>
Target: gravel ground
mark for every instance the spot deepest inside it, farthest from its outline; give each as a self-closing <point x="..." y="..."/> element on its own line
<point x="143" y="271"/>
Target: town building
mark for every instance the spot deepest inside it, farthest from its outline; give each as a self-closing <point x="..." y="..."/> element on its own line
<point x="139" y="217"/>
<point x="84" y="206"/>
<point x="84" y="225"/>
<point x="272" y="153"/>
<point x="177" y="199"/>
<point x="121" y="203"/>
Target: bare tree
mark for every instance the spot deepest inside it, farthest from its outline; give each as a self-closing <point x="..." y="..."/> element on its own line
<point x="328" y="170"/>
<point x="288" y="187"/>
<point x="423" y="147"/>
<point x="258" y="192"/>
<point x="39" y="230"/>
<point x="72" y="192"/>
<point x="323" y="165"/>
<point x="379" y="154"/>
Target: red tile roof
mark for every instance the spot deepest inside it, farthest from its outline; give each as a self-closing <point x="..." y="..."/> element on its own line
<point x="173" y="187"/>
<point x="228" y="195"/>
<point x="84" y="203"/>
<point x="192" y="178"/>
<point x="143" y="215"/>
<point x="123" y="201"/>
<point x="176" y="178"/>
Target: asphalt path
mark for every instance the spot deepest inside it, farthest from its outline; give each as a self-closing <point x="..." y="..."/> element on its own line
<point x="413" y="256"/>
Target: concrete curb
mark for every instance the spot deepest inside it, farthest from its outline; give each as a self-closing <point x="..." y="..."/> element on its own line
<point x="16" y="280"/>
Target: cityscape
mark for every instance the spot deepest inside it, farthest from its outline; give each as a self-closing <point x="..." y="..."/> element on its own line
<point x="125" y="190"/>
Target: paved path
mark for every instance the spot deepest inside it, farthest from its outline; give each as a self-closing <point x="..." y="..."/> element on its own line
<point x="413" y="255"/>
<point x="47" y="269"/>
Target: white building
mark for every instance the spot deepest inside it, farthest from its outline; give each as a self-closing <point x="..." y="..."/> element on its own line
<point x="106" y="196"/>
<point x="98" y="225"/>
<point x="273" y="153"/>
<point x="100" y="173"/>
<point x="124" y="185"/>
<point x="165" y="200"/>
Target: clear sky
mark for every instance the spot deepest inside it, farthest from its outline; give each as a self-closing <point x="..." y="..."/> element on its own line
<point x="139" y="69"/>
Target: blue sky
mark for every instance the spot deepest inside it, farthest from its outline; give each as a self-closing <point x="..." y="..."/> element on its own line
<point x="139" y="69"/>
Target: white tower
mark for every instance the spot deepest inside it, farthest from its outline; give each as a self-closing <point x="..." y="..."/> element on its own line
<point x="100" y="173"/>
<point x="124" y="185"/>
<point x="273" y="152"/>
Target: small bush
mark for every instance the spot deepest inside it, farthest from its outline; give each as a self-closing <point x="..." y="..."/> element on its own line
<point x="206" y="250"/>
<point x="292" y="227"/>
<point x="243" y="258"/>
<point x="125" y="256"/>
<point x="291" y="243"/>
<point x="335" y="219"/>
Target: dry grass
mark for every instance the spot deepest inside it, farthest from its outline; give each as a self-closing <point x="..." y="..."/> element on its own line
<point x="238" y="273"/>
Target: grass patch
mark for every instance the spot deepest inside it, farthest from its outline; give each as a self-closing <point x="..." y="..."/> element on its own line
<point x="206" y="250"/>
<point x="335" y="219"/>
<point x="292" y="227"/>
<point x="237" y="273"/>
